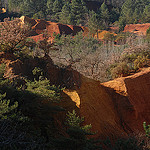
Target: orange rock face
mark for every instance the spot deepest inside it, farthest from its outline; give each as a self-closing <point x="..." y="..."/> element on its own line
<point x="114" y="108"/>
<point x="39" y="25"/>
<point x="139" y="29"/>
<point x="132" y="99"/>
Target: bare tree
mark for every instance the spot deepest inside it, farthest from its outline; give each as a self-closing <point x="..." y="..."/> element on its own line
<point x="13" y="35"/>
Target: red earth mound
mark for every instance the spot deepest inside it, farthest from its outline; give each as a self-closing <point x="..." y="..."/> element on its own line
<point x="139" y="29"/>
<point x="132" y="99"/>
<point x="39" y="25"/>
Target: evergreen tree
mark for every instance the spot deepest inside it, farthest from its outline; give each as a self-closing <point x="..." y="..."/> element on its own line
<point x="78" y="10"/>
<point x="122" y="24"/>
<point x="93" y="22"/>
<point x="65" y="14"/>
<point x="127" y="10"/>
<point x="76" y="135"/>
<point x="105" y="16"/>
<point x="31" y="7"/>
<point x="132" y="10"/>
<point x="136" y="16"/>
<point x="50" y="7"/>
<point x="13" y="5"/>
<point x="146" y="14"/>
<point x="57" y="6"/>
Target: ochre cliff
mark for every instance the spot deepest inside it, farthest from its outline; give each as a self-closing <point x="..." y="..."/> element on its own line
<point x="39" y="25"/>
<point x="114" y="108"/>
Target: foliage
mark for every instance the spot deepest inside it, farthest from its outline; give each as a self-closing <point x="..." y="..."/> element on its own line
<point x="13" y="35"/>
<point x="5" y="108"/>
<point x="78" y="10"/>
<point x="148" y="31"/>
<point x="129" y="143"/>
<point x="2" y="70"/>
<point x="105" y="16"/>
<point x="65" y="14"/>
<point x="133" y="10"/>
<point x="130" y="61"/>
<point x="109" y="37"/>
<point x="42" y="88"/>
<point x="122" y="24"/>
<point x="140" y="62"/>
<point x="121" y="69"/>
<point x="77" y="135"/>
<point x="44" y="44"/>
<point x="27" y="132"/>
<point x="93" y="22"/>
<point x="147" y="129"/>
<point x="73" y="49"/>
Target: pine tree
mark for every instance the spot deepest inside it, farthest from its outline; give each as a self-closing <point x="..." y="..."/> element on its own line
<point x="77" y="135"/>
<point x="105" y="16"/>
<point x="57" y="6"/>
<point x="136" y="16"/>
<point x="78" y="10"/>
<point x="122" y="24"/>
<point x="93" y="22"/>
<point x="50" y="7"/>
<point x="31" y="7"/>
<point x="146" y="14"/>
<point x="65" y="14"/>
<point x="127" y="10"/>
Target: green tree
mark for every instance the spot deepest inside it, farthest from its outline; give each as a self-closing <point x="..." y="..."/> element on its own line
<point x="127" y="10"/>
<point x="57" y="6"/>
<point x="78" y="10"/>
<point x="5" y="108"/>
<point x="77" y="135"/>
<point x="136" y="15"/>
<point x="39" y="15"/>
<point x="146" y="14"/>
<point x="31" y="7"/>
<point x="14" y="5"/>
<point x="93" y="22"/>
<point x="50" y="7"/>
<point x="105" y="16"/>
<point x="147" y="129"/>
<point x="65" y="14"/>
<point x="122" y="24"/>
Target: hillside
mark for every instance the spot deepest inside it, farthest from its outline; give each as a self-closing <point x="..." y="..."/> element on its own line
<point x="59" y="85"/>
<point x="114" y="108"/>
<point x="38" y="26"/>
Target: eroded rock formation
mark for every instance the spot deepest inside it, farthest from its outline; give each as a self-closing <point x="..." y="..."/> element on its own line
<point x="114" y="108"/>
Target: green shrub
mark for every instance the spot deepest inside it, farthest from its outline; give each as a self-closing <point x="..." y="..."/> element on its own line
<point x="77" y="135"/>
<point x="2" y="70"/>
<point x="121" y="69"/>
<point x="140" y="62"/>
<point x="147" y="129"/>
<point x="5" y="108"/>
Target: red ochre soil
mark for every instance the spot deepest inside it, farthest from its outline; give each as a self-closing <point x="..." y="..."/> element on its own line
<point x="114" y="108"/>
<point x="139" y="29"/>
<point x="39" y="25"/>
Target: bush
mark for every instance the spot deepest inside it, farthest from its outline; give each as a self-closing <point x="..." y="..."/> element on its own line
<point x="121" y="69"/>
<point x="147" y="129"/>
<point x="140" y="62"/>
<point x="2" y="70"/>
<point x="132" y="142"/>
<point x="77" y="135"/>
<point x="13" y="35"/>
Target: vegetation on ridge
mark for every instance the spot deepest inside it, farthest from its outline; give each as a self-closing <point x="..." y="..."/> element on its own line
<point x="29" y="107"/>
